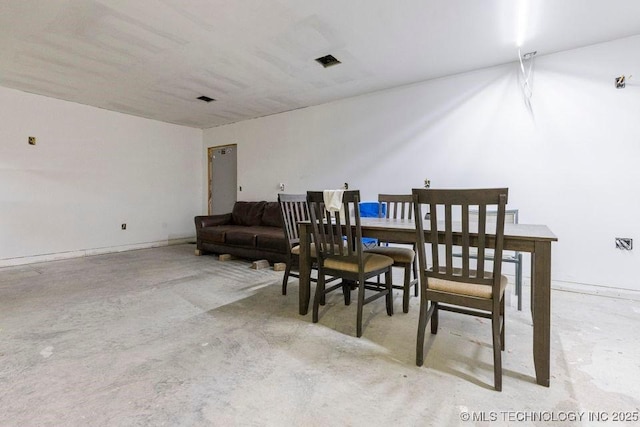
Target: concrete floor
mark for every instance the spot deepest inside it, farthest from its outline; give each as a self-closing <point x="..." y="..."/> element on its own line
<point x="162" y="337"/>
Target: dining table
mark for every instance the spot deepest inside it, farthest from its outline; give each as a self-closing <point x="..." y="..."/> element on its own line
<point x="529" y="238"/>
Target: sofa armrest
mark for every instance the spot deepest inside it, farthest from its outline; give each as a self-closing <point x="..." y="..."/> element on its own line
<point x="212" y="220"/>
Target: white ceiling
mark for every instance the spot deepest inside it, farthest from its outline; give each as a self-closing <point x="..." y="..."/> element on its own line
<point x="153" y="58"/>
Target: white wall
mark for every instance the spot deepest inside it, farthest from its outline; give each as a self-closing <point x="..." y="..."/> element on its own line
<point x="90" y="171"/>
<point x="571" y="163"/>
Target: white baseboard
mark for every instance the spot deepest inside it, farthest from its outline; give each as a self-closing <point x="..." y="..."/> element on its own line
<point x="10" y="262"/>
<point x="584" y="288"/>
<point x="600" y="290"/>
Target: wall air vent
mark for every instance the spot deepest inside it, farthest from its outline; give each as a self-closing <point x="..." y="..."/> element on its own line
<point x="205" y="98"/>
<point x="328" y="61"/>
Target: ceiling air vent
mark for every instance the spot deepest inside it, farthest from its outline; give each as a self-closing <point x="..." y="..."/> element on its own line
<point x="205" y="98"/>
<point x="328" y="61"/>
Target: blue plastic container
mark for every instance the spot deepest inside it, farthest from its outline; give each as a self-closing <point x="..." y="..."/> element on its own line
<point x="372" y="210"/>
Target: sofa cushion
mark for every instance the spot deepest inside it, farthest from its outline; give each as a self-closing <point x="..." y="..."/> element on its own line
<point x="247" y="213"/>
<point x="214" y="234"/>
<point x="240" y="237"/>
<point x="270" y="239"/>
<point x="271" y="217"/>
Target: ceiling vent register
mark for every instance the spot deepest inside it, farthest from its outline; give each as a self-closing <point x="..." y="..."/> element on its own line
<point x="328" y="61"/>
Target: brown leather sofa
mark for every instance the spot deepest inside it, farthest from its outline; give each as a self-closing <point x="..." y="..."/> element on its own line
<point x="253" y="230"/>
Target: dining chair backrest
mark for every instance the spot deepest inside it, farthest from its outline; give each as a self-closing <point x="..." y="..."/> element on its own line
<point x="512" y="257"/>
<point x="510" y="217"/>
<point x="294" y="208"/>
<point x="333" y="232"/>
<point x="462" y="235"/>
<point x="399" y="206"/>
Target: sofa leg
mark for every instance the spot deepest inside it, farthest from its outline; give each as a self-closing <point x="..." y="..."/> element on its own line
<point x="260" y="264"/>
<point x="198" y="252"/>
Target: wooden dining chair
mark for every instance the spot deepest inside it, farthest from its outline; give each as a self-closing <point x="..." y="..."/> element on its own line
<point x="467" y="289"/>
<point x="338" y="244"/>
<point x="399" y="206"/>
<point x="294" y="209"/>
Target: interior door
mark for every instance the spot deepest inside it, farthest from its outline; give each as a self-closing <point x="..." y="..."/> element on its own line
<point x="223" y="178"/>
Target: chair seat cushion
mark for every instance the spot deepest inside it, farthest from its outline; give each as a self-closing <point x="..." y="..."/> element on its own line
<point x="402" y="255"/>
<point x="372" y="262"/>
<point x="468" y="289"/>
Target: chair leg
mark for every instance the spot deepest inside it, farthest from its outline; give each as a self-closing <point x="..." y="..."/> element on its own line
<point x="422" y="326"/>
<point x="285" y="279"/>
<point x="346" y="290"/>
<point x="407" y="288"/>
<point x="434" y="318"/>
<point x="319" y="295"/>
<point x="415" y="273"/>
<point x="502" y="324"/>
<point x="360" y="307"/>
<point x="322" y="297"/>
<point x="388" y="281"/>
<point x="497" y="352"/>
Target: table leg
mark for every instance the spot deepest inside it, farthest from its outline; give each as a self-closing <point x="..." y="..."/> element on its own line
<point x="304" y="269"/>
<point x="541" y="289"/>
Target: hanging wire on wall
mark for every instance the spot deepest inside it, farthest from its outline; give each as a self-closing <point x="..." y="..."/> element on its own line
<point x="526" y="67"/>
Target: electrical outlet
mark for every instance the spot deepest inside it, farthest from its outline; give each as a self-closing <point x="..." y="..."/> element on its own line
<point x="32" y="140"/>
<point x="624" y="243"/>
<point x="124" y="226"/>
